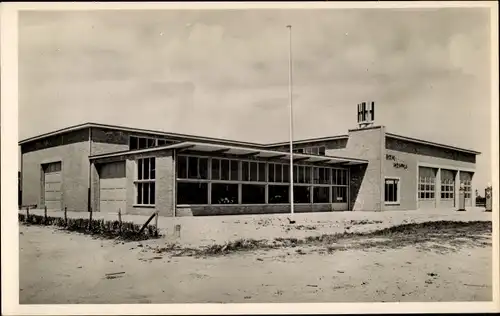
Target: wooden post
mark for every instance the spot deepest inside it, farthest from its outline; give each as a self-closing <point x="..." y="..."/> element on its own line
<point x="156" y="224"/>
<point x="66" y="216"/>
<point x="45" y="214"/>
<point x="177" y="232"/>
<point x="120" y="219"/>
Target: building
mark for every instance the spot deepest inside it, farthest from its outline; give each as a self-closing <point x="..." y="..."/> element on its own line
<point x="106" y="168"/>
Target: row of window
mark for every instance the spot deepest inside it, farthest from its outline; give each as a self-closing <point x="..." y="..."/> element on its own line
<point x="136" y="142"/>
<point x="198" y="193"/>
<point x="427" y="188"/>
<point x="316" y="150"/>
<point x="191" y="167"/>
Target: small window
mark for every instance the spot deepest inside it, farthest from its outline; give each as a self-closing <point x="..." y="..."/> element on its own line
<point x="392" y="191"/>
<point x="134" y="143"/>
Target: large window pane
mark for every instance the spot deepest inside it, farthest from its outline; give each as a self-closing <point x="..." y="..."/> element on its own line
<point x="182" y="167"/>
<point x="301" y="194"/>
<point x="262" y="171"/>
<point x="234" y="170"/>
<point x="286" y="173"/>
<point x="253" y="171"/>
<point x="139" y="193"/>
<point x="192" y="193"/>
<point x="223" y="193"/>
<point x="334" y="177"/>
<point x="215" y="169"/>
<point x="270" y="171"/>
<point x="140" y="169"/>
<point x="146" y="169"/>
<point x="152" y="192"/>
<point x="279" y="194"/>
<point x="203" y="168"/>
<point x="133" y="143"/>
<point x="245" y="170"/>
<point x="253" y="194"/>
<point x="193" y="167"/>
<point x="224" y="169"/>
<point x="142" y="143"/>
<point x="321" y="195"/>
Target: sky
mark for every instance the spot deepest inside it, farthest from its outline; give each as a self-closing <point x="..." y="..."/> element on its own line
<point x="224" y="73"/>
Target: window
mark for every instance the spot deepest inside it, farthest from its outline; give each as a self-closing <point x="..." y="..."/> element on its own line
<point x="253" y="171"/>
<point x="426" y="183"/>
<point x="447" y="189"/>
<point x="53" y="167"/>
<point x="321" y="195"/>
<point x="279" y="194"/>
<point x="192" y="193"/>
<point x="321" y="175"/>
<point x="302" y="174"/>
<point x="253" y="194"/>
<point x="467" y="188"/>
<point x="302" y="194"/>
<point x="465" y="180"/>
<point x="197" y="167"/>
<point x="136" y="142"/>
<point x="339" y="194"/>
<point x="224" y="193"/>
<point x="391" y="191"/>
<point x="317" y="150"/>
<point x="145" y="183"/>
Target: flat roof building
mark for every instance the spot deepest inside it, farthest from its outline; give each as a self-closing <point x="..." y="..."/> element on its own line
<point x="106" y="168"/>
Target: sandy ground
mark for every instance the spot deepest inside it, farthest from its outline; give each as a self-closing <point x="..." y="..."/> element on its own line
<point x="207" y="230"/>
<point x="59" y="267"/>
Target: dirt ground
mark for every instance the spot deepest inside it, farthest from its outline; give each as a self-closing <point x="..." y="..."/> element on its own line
<point x="59" y="267"/>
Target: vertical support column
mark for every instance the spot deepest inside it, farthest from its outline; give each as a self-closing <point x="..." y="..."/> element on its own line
<point x="456" y="188"/>
<point x="240" y="179"/>
<point x="438" y="187"/>
<point x="266" y="192"/>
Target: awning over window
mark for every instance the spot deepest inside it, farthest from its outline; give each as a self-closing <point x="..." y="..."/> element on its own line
<point x="243" y="152"/>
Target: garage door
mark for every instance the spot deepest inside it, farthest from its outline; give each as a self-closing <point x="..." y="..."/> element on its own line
<point x="52" y="186"/>
<point x="465" y="180"/>
<point x="426" y="188"/>
<point x="447" y="189"/>
<point x="112" y="184"/>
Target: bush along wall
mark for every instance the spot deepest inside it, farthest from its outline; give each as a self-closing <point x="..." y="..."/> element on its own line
<point x="98" y="227"/>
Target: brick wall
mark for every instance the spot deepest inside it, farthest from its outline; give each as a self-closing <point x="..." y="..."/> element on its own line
<point x="366" y="181"/>
<point x="164" y="184"/>
<point x="408" y="174"/>
<point x="75" y="173"/>
<point x="247" y="210"/>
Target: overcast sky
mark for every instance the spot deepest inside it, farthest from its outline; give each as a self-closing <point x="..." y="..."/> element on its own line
<point x="225" y="73"/>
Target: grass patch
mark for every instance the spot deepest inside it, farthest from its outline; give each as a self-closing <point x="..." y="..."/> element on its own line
<point x="127" y="231"/>
<point x="455" y="234"/>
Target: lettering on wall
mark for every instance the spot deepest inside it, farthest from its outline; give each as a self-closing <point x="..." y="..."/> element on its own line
<point x="397" y="164"/>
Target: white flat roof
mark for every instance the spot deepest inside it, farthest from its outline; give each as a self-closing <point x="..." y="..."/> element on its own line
<point x="240" y="150"/>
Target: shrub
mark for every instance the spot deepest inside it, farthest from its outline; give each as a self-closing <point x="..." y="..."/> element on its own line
<point x="97" y="227"/>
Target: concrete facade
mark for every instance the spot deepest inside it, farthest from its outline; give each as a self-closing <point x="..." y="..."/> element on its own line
<point x="386" y="156"/>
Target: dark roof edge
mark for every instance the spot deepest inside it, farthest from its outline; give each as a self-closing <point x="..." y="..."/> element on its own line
<point x="138" y="130"/>
<point x="307" y="140"/>
<point x="421" y="141"/>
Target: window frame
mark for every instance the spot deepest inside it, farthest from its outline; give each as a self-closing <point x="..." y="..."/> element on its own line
<point x="138" y="181"/>
<point x="276" y="165"/>
<point x="398" y="193"/>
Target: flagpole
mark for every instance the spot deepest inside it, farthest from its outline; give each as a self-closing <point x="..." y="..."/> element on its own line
<point x="291" y="119"/>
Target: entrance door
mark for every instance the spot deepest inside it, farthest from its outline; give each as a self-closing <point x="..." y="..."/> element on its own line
<point x="112" y="187"/>
<point x="52" y="180"/>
